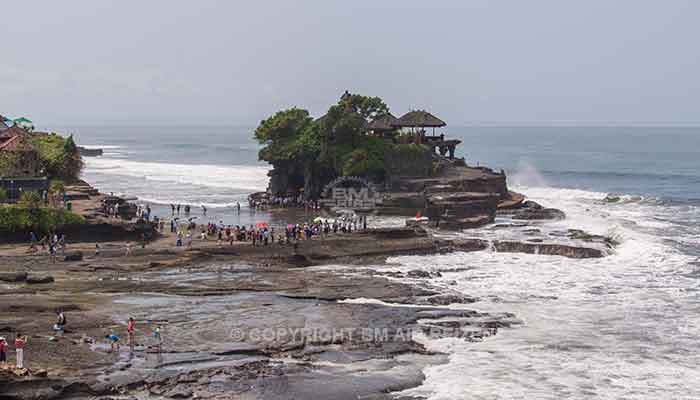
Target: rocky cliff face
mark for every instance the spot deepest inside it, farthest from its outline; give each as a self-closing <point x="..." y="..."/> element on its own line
<point x="455" y="198"/>
<point x="286" y="178"/>
<point x="417" y="180"/>
<point x="451" y="194"/>
<point x="401" y="162"/>
<point x="408" y="160"/>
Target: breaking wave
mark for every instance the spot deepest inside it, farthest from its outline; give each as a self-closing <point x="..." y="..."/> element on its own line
<point x="619" y="326"/>
<point x="240" y="177"/>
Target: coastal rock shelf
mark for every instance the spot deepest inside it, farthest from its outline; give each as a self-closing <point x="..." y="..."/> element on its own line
<point x="461" y="198"/>
<point x="216" y="302"/>
<point x="464" y="198"/>
<point x="98" y="226"/>
<point x="530" y="210"/>
<point x="374" y="243"/>
<point x="215" y="345"/>
<point x="551" y="249"/>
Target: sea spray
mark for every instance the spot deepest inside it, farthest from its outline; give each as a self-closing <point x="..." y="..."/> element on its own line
<point x="527" y="174"/>
<point x="585" y="320"/>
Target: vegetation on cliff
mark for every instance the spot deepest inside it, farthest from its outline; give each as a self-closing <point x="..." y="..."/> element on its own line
<point x="59" y="157"/>
<point x="318" y="151"/>
<point x="19" y="218"/>
<point x="8" y="161"/>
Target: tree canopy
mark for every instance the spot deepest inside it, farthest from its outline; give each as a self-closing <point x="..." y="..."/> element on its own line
<point x="336" y="141"/>
<point x="288" y="135"/>
<point x="59" y="156"/>
<point x="333" y="145"/>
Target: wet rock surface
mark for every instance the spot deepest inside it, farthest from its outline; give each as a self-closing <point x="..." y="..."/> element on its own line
<point x="74" y="256"/>
<point x="13" y="276"/>
<point x="530" y="210"/>
<point x="37" y="280"/>
<point x="447" y="299"/>
<point x="548" y="249"/>
<point x="252" y="322"/>
<point x="245" y="328"/>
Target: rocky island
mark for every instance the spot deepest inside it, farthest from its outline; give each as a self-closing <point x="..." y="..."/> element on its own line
<point x="400" y="165"/>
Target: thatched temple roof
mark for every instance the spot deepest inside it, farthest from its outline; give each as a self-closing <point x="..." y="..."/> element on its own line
<point x="419" y="119"/>
<point x="383" y="123"/>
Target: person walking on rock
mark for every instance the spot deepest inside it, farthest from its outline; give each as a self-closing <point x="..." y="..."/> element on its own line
<point x="20" y="341"/>
<point x="130" y="326"/>
<point x="60" y="325"/>
<point x="113" y="342"/>
<point x="62" y="244"/>
<point x="3" y="351"/>
<point x="52" y="252"/>
<point x="32" y="241"/>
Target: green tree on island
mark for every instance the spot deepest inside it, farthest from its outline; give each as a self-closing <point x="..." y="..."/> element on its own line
<point x="310" y="152"/>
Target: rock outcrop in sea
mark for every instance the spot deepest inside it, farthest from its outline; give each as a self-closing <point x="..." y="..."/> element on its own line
<point x="387" y="165"/>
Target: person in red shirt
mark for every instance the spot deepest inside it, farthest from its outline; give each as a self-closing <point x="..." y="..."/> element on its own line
<point x="20" y="341"/>
<point x="130" y="326"/>
<point x="3" y="349"/>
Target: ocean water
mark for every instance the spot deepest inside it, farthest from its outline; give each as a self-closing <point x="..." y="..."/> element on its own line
<point x="624" y="326"/>
<point x="215" y="167"/>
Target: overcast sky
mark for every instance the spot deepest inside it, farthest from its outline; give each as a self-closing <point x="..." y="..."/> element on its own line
<point x="471" y="62"/>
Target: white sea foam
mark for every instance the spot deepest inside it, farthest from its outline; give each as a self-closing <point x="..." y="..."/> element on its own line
<point x="243" y="177"/>
<point x="100" y="146"/>
<point x="176" y="200"/>
<point x="621" y="326"/>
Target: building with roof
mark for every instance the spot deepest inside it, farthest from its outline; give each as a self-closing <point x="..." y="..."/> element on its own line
<point x="383" y="125"/>
<point x="18" y="156"/>
<point x="419" y="119"/>
<point x="414" y="125"/>
<point x="25" y="123"/>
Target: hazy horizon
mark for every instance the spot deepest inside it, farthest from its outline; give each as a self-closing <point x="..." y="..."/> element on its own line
<point x="541" y="63"/>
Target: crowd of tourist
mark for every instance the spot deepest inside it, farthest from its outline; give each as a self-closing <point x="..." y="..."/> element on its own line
<point x="266" y="202"/>
<point x="187" y="209"/>
<point x="186" y="230"/>
<point x="262" y="234"/>
<point x="53" y="242"/>
<point x="59" y="328"/>
<point x="20" y="341"/>
<point x="259" y="234"/>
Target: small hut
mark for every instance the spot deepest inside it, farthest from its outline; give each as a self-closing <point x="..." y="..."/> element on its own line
<point x="383" y="125"/>
<point x="419" y="119"/>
